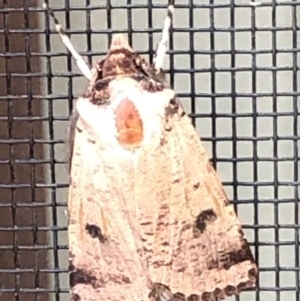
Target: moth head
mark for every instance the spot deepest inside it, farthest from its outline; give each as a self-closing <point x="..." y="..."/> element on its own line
<point x="119" y="59"/>
<point x="119" y="41"/>
<point x="122" y="61"/>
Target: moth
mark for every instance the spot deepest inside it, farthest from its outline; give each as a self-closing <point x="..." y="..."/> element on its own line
<point x="148" y="216"/>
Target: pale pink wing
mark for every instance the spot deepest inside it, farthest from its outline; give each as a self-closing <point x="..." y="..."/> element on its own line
<point x="194" y="241"/>
<point x="106" y="255"/>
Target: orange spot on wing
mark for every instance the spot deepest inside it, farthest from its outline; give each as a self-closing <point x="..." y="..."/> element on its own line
<point x="129" y="124"/>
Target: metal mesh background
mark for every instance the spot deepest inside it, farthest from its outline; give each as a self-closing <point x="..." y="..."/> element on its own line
<point x="235" y="66"/>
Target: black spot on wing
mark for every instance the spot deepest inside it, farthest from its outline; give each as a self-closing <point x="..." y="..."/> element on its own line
<point x="179" y="297"/>
<point x="204" y="218"/>
<point x="196" y="185"/>
<point x="237" y="256"/>
<point x="95" y="232"/>
<point x="193" y="297"/>
<point x="81" y="276"/>
<point x="172" y="108"/>
<point x="160" y="292"/>
<point x="229" y="290"/>
<point x="206" y="296"/>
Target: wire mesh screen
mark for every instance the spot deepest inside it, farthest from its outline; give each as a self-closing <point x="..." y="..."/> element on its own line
<point x="234" y="65"/>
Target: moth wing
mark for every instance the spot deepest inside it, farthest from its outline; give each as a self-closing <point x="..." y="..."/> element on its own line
<point x="194" y="241"/>
<point x="106" y="255"/>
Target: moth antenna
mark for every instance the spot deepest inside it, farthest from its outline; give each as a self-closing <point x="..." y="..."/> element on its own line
<point x="164" y="41"/>
<point x="83" y="67"/>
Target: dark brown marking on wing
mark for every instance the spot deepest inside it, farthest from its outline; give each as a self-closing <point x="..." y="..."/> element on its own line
<point x="207" y="296"/>
<point x="95" y="232"/>
<point x="82" y="276"/>
<point x="75" y="297"/>
<point x="204" y="218"/>
<point x="193" y="297"/>
<point x="120" y="279"/>
<point x="237" y="256"/>
<point x="179" y="297"/>
<point x="230" y="290"/>
<point x="160" y="292"/>
<point x="196" y="185"/>
<point x="172" y="108"/>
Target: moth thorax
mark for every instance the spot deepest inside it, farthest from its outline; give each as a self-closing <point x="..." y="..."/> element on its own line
<point x="129" y="124"/>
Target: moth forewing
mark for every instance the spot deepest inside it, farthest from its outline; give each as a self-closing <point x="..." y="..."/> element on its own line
<point x="106" y="253"/>
<point x="193" y="238"/>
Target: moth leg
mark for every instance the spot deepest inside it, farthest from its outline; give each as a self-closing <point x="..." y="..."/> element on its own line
<point x="160" y="292"/>
<point x="83" y="67"/>
<point x="163" y="43"/>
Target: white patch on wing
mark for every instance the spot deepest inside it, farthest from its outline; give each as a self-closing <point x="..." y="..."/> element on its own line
<point x="101" y="119"/>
